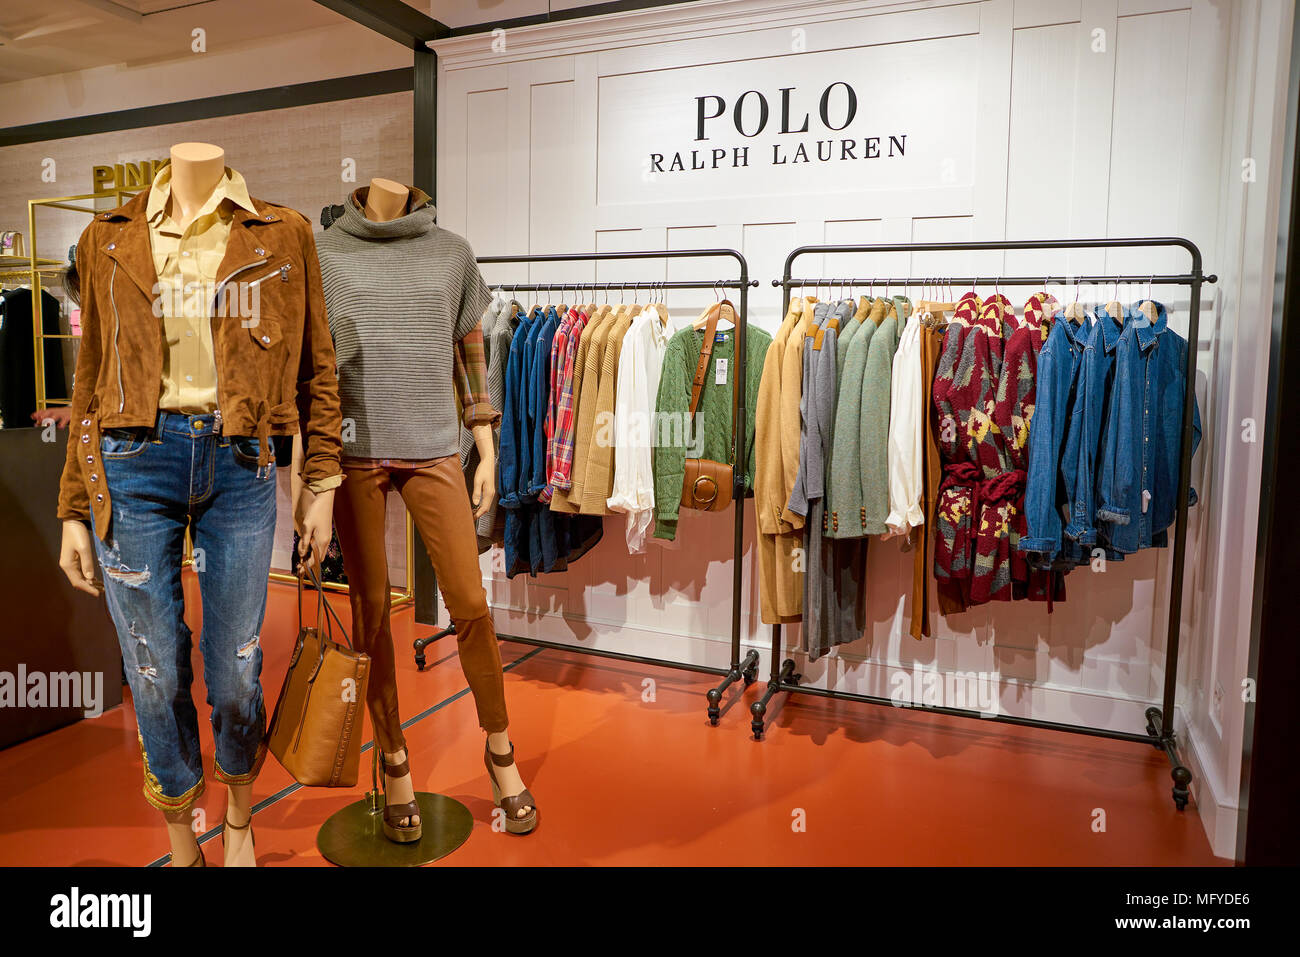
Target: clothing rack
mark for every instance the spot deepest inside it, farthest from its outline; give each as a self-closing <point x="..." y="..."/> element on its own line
<point x="1160" y="721"/>
<point x="745" y="670"/>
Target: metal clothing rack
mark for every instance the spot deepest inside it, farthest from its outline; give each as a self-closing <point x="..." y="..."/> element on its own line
<point x="739" y="670"/>
<point x="1160" y="721"/>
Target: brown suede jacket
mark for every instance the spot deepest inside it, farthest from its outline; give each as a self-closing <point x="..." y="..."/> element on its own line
<point x="276" y="370"/>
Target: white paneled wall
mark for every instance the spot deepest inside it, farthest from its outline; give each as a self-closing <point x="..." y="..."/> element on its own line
<point x="1025" y="119"/>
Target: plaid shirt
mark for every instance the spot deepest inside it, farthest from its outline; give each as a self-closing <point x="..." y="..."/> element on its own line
<point x="469" y="369"/>
<point x="559" y="349"/>
<point x="565" y="408"/>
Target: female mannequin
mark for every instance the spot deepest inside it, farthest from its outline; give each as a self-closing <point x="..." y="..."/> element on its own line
<point x="404" y="298"/>
<point x="186" y="408"/>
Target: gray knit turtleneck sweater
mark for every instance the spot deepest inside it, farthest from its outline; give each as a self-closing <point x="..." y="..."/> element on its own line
<point x="399" y="295"/>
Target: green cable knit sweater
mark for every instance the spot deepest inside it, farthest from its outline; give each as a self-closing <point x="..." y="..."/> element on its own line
<point x="710" y="435"/>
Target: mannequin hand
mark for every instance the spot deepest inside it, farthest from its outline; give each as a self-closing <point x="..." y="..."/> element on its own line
<point x="302" y="498"/>
<point x="317" y="526"/>
<point x="485" y="487"/>
<point x="77" y="557"/>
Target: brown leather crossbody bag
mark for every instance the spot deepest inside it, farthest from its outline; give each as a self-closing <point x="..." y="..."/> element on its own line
<point x="708" y="484"/>
<point x="316" y="730"/>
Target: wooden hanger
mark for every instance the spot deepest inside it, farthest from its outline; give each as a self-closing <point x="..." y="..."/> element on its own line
<point x="724" y="311"/>
<point x="1147" y="306"/>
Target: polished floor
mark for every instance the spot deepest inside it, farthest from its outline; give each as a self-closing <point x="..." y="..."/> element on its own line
<point x="622" y="780"/>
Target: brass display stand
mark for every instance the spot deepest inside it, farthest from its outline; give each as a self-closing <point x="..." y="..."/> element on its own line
<point x="354" y="836"/>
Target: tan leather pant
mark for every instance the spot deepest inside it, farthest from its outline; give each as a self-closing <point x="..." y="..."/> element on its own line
<point x="439" y="505"/>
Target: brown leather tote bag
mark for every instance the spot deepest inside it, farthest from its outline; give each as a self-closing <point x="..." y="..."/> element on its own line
<point x="317" y="726"/>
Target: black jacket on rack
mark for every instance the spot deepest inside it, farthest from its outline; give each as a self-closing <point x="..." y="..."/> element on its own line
<point x="17" y="359"/>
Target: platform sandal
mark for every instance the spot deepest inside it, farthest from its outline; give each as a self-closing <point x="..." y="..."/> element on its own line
<point x="227" y="826"/>
<point x="393" y="813"/>
<point x="511" y="805"/>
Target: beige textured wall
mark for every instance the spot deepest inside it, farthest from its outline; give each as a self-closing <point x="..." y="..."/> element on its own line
<point x="293" y="156"/>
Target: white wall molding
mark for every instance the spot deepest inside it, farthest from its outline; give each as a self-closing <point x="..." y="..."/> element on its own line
<point x="703" y="19"/>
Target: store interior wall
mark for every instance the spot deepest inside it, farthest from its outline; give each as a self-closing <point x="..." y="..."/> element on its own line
<point x="542" y="148"/>
<point x="1214" y="667"/>
<point x="1024" y="122"/>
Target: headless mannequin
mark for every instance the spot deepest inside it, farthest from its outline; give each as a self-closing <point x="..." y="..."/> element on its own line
<point x="386" y="200"/>
<point x="196" y="171"/>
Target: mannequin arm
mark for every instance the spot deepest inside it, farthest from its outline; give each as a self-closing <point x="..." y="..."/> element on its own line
<point x="485" y="488"/>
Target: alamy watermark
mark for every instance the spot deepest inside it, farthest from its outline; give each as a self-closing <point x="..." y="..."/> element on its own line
<point x="54" y="689"/>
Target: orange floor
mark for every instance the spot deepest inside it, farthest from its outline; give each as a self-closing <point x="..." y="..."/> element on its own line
<point x="624" y="781"/>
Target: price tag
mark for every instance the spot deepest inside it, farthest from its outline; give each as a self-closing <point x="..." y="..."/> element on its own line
<point x="720" y="372"/>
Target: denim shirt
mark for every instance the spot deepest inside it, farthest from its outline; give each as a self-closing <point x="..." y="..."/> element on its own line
<point x="512" y="454"/>
<point x="1138" y="488"/>
<point x="540" y="399"/>
<point x="1087" y="428"/>
<point x="1047" y="485"/>
<point x="545" y="554"/>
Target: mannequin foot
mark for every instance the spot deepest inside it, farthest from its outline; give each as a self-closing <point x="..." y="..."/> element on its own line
<point x="237" y="840"/>
<point x="508" y="789"/>
<point x="188" y="854"/>
<point x="401" y="817"/>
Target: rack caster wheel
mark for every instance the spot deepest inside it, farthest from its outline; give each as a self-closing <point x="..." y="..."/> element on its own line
<point x="1182" y="778"/>
<point x="715" y="698"/>
<point x="419" y="661"/>
<point x="759" y="710"/>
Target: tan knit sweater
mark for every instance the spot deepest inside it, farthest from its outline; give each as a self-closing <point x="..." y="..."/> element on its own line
<point x="599" y="485"/>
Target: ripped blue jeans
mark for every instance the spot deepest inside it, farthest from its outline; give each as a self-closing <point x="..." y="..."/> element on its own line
<point x="162" y="480"/>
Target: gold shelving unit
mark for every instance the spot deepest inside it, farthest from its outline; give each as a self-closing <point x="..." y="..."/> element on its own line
<point x="29" y="268"/>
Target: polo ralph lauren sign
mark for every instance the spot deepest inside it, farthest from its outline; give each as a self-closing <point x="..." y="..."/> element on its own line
<point x="753" y="114"/>
<point x="866" y="122"/>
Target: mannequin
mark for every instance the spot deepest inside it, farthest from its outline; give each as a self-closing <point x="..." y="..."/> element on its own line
<point x="206" y="209"/>
<point x="388" y="230"/>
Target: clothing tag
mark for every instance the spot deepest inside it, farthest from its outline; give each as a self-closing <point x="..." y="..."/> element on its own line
<point x="719" y="337"/>
<point x="720" y="372"/>
<point x="1146" y="500"/>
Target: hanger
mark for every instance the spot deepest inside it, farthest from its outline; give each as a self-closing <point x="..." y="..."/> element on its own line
<point x="661" y="306"/>
<point x="1114" y="307"/>
<point x="723" y="309"/>
<point x="1148" y="306"/>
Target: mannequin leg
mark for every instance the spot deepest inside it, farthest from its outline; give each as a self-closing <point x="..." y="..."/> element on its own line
<point x="359" y="519"/>
<point x="234" y="527"/>
<point x="180" y="834"/>
<point x="440" y="507"/>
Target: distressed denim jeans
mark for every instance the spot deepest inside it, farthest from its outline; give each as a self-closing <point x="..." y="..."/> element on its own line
<point x="176" y="475"/>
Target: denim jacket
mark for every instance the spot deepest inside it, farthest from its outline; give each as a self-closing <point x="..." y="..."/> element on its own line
<point x="1087" y="429"/>
<point x="1046" y="498"/>
<point x="508" y="464"/>
<point x="1138" y="486"/>
<point x="545" y="553"/>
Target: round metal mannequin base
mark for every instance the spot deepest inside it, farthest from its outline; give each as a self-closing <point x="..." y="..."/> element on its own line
<point x="354" y="836"/>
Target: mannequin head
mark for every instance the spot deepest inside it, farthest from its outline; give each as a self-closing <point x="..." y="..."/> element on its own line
<point x="385" y="200"/>
<point x="197" y="168"/>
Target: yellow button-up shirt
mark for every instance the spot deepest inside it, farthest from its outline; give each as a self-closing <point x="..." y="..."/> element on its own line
<point x="187" y="261"/>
